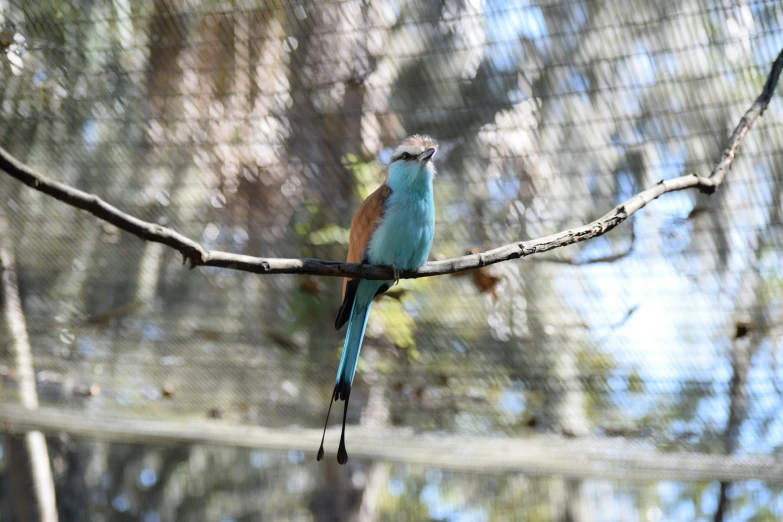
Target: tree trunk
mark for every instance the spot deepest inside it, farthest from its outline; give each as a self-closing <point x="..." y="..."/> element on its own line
<point x="28" y="455"/>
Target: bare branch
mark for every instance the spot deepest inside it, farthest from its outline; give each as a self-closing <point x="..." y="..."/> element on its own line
<point x="756" y="110"/>
<point x="609" y="258"/>
<point x="197" y="255"/>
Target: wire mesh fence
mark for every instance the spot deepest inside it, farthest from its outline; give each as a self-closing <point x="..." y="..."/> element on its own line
<point x="258" y="127"/>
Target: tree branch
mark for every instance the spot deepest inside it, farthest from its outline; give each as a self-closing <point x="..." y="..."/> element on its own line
<point x="197" y="255"/>
<point x="609" y="258"/>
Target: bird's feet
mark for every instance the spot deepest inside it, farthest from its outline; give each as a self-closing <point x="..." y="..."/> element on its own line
<point x="396" y="274"/>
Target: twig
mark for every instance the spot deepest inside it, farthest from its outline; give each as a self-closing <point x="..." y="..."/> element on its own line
<point x="197" y="255"/>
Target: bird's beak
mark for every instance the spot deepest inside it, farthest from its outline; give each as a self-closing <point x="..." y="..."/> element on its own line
<point x="426" y="155"/>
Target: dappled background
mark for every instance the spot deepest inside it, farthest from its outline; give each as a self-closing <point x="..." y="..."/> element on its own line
<point x="257" y="128"/>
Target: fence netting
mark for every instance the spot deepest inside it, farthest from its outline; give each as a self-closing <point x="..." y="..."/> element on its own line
<point x="257" y="128"/>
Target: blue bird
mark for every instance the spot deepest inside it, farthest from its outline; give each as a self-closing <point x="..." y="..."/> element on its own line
<point x="393" y="227"/>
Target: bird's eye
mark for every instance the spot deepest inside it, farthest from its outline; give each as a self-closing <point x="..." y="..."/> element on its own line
<point x="405" y="156"/>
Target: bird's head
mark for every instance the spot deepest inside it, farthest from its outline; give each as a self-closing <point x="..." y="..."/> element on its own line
<point x="411" y="162"/>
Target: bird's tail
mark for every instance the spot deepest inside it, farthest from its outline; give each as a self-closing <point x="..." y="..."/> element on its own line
<point x="353" y="343"/>
<point x="350" y="358"/>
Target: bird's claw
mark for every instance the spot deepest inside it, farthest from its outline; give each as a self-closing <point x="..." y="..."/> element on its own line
<point x="396" y="275"/>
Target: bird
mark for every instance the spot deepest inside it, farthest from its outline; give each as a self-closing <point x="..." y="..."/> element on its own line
<point x="393" y="227"/>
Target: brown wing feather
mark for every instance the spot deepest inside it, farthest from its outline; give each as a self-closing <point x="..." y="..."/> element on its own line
<point x="363" y="224"/>
<point x="365" y="221"/>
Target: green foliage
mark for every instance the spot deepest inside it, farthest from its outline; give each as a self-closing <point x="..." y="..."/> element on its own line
<point x="635" y="382"/>
<point x="397" y="324"/>
<point x="598" y="367"/>
<point x="329" y="235"/>
<point x="368" y="174"/>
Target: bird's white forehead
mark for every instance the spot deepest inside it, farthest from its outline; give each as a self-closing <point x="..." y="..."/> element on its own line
<point x="413" y="150"/>
<point x="414" y="145"/>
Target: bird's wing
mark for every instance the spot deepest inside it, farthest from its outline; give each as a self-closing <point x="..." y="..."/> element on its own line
<point x="365" y="221"/>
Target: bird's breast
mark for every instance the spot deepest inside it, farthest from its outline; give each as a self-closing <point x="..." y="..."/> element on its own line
<point x="404" y="237"/>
